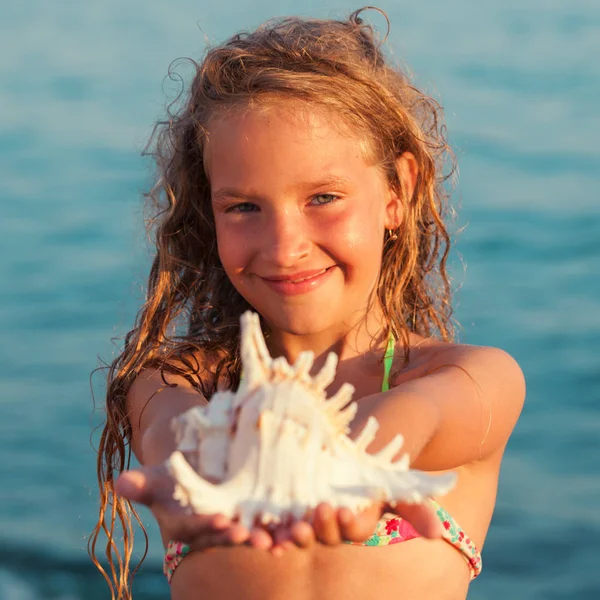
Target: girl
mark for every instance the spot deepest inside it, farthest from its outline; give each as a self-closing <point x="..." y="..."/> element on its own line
<point x="303" y="178"/>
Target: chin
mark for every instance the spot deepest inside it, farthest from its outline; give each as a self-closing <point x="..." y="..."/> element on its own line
<point x="297" y="320"/>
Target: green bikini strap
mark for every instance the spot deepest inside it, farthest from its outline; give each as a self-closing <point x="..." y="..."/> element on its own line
<point x="388" y="359"/>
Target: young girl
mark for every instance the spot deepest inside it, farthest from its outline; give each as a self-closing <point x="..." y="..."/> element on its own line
<point x="303" y="178"/>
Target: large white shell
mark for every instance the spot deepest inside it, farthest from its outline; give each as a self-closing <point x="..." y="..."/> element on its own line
<point x="279" y="447"/>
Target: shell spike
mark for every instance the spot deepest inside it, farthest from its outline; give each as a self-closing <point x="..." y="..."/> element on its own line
<point x="281" y="368"/>
<point x="367" y="435"/>
<point x="327" y="374"/>
<point x="261" y="345"/>
<point x="304" y="364"/>
<point x="340" y="399"/>
<point x="345" y="417"/>
<point x="255" y="358"/>
<point x="387" y="453"/>
<point x="404" y="462"/>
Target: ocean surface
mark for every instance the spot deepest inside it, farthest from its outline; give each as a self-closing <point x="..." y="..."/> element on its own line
<point x="81" y="85"/>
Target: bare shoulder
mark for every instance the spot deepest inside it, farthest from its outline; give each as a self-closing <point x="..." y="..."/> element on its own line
<point x="486" y="364"/>
<point x="489" y="371"/>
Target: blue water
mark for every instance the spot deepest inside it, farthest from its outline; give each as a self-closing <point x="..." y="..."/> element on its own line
<point x="81" y="85"/>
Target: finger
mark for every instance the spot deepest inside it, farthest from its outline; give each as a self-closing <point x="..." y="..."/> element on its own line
<point x="260" y="539"/>
<point x="303" y="534"/>
<point x="349" y="528"/>
<point x="187" y="528"/>
<point x="357" y="528"/>
<point x="136" y="486"/>
<point x="234" y="536"/>
<point x="326" y="525"/>
<point x="147" y="485"/>
<point x="237" y="534"/>
<point x="218" y="521"/>
<point x="422" y="517"/>
<point x="204" y="542"/>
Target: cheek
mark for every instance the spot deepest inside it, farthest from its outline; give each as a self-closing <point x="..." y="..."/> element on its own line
<point x="229" y="246"/>
<point x="358" y="236"/>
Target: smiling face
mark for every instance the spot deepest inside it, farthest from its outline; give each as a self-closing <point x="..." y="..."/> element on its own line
<point x="300" y="216"/>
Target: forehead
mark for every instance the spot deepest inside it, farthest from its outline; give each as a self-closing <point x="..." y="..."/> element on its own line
<point x="283" y="134"/>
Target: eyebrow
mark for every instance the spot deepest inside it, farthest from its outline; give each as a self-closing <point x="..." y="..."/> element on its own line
<point x="227" y="193"/>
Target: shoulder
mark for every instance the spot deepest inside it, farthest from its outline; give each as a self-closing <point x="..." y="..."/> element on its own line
<point x="492" y="371"/>
<point x="487" y="365"/>
<point x="193" y="372"/>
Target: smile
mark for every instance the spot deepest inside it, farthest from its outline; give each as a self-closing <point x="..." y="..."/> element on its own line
<point x="298" y="283"/>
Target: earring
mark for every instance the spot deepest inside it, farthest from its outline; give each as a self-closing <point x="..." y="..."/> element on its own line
<point x="392" y="235"/>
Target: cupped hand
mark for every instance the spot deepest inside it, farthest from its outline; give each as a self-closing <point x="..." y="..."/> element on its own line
<point x="153" y="487"/>
<point x="332" y="527"/>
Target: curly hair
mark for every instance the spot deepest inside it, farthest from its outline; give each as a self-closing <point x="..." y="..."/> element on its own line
<point x="192" y="310"/>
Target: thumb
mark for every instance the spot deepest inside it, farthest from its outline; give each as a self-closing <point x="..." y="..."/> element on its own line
<point x="137" y="486"/>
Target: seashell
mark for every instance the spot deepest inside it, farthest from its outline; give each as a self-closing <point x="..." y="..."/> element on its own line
<point x="278" y="446"/>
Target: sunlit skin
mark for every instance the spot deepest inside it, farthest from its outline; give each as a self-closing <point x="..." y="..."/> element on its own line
<point x="294" y="193"/>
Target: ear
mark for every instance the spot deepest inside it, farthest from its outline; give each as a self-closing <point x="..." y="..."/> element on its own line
<point x="408" y="172"/>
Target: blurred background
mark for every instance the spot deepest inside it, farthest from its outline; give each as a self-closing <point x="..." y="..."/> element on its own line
<point x="81" y="85"/>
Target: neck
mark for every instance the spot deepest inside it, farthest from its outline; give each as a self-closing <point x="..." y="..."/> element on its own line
<point x="348" y="339"/>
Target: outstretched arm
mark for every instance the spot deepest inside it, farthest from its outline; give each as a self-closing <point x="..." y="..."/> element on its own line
<point x="463" y="411"/>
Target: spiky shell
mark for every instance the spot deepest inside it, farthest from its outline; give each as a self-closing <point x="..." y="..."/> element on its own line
<point x="278" y="446"/>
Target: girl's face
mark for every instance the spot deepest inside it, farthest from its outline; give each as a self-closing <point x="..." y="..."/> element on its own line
<point x="300" y="216"/>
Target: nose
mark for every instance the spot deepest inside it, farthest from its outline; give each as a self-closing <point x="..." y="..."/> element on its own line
<point x="286" y="241"/>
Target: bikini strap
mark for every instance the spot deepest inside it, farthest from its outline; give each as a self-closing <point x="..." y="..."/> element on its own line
<point x="388" y="359"/>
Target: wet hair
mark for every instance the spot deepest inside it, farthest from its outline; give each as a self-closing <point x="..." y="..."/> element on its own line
<point x="191" y="315"/>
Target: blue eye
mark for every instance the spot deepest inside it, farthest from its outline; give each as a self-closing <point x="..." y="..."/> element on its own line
<point x="322" y="199"/>
<point x="242" y="207"/>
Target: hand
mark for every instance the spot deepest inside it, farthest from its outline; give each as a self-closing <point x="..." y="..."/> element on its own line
<point x="331" y="527"/>
<point x="153" y="487"/>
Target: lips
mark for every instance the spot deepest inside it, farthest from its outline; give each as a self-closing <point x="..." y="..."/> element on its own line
<point x="297" y="277"/>
<point x="301" y="282"/>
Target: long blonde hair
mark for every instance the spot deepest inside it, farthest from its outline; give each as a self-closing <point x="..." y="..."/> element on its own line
<point x="192" y="309"/>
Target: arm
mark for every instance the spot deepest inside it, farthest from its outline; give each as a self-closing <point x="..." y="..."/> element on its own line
<point x="462" y="411"/>
<point x="151" y="405"/>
